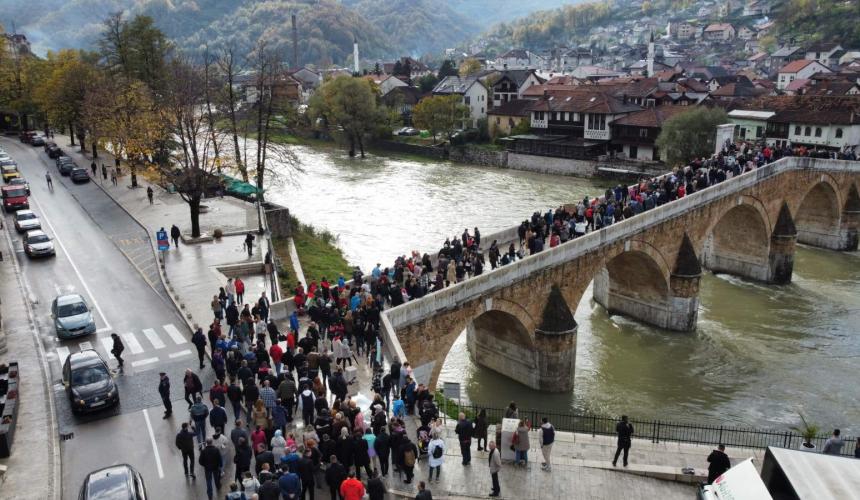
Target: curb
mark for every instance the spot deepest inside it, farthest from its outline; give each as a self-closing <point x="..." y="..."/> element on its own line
<point x="56" y="464"/>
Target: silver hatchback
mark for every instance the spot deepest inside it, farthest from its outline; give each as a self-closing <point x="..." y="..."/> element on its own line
<point x="72" y="316"/>
<point x="25" y="220"/>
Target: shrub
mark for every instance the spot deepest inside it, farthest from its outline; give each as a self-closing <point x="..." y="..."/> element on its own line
<point x="218" y="233"/>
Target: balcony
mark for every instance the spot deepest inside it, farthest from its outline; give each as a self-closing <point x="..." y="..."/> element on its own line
<point x="599" y="135"/>
<point x="539" y="123"/>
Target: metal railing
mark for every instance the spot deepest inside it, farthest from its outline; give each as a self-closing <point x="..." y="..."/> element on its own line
<point x="655" y="430"/>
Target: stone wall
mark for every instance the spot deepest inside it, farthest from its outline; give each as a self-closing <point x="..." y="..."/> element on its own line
<point x="550" y="165"/>
<point x="413" y="149"/>
<point x="478" y="156"/>
<point x="278" y="218"/>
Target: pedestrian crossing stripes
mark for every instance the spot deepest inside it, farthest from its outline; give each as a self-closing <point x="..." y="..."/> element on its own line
<point x="134" y="345"/>
<point x="174" y="334"/>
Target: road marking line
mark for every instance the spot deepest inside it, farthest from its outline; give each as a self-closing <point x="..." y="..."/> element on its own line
<point x="72" y="262"/>
<point x="174" y="334"/>
<point x="154" y="446"/>
<point x="107" y="343"/>
<point x="179" y="354"/>
<point x="147" y="361"/>
<point x="102" y="330"/>
<point x="62" y="353"/>
<point x="132" y="343"/>
<point x="153" y="339"/>
<point x="85" y="345"/>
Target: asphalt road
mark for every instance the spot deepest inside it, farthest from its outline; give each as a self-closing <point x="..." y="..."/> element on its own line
<point x="96" y="244"/>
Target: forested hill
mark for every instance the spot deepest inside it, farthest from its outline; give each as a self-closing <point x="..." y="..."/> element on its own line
<point x="384" y="28"/>
<point x="801" y="20"/>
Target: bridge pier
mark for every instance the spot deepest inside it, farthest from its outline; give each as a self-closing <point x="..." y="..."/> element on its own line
<point x="543" y="360"/>
<point x="850" y="221"/>
<point x="782" y="243"/>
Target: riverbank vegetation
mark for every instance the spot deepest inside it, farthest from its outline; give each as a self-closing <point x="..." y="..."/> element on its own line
<point x="319" y="256"/>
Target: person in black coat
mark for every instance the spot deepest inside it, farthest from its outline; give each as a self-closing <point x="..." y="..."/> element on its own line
<point x="199" y="341"/>
<point x="375" y="487"/>
<point x="335" y="474"/>
<point x="383" y="450"/>
<point x="210" y="460"/>
<point x="409" y="470"/>
<point x="719" y="463"/>
<point x="624" y="429"/>
<point x="242" y="459"/>
<point x="263" y="456"/>
<point x="269" y="490"/>
<point x="232" y="315"/>
<point x="305" y="470"/>
<point x="362" y="458"/>
<point x="185" y="443"/>
<point x="346" y="450"/>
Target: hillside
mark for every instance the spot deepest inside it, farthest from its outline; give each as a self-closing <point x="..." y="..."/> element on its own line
<point x="822" y="20"/>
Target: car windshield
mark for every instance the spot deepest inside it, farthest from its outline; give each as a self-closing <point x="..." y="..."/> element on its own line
<point x="89" y="375"/>
<point x="9" y="168"/>
<point x="39" y="238"/>
<point x="71" y="309"/>
<point x="15" y="192"/>
<point x="18" y="181"/>
<point x="26" y="216"/>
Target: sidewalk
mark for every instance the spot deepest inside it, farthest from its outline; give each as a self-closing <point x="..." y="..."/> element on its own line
<point x="191" y="270"/>
<point x="35" y="446"/>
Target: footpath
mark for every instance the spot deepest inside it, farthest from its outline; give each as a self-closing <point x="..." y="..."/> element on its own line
<point x="36" y="444"/>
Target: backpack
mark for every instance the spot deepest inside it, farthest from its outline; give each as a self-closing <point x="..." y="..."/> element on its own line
<point x="438" y="452"/>
<point x="409" y="458"/>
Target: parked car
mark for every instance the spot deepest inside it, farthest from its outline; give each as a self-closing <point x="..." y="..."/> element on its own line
<point x="38" y="244"/>
<point x="53" y="150"/>
<point x="9" y="172"/>
<point x="66" y="166"/>
<point x="26" y="220"/>
<point x="14" y="198"/>
<point x="117" y="481"/>
<point x="20" y="181"/>
<point x="37" y="140"/>
<point x="26" y="135"/>
<point x="79" y="174"/>
<point x="408" y="131"/>
<point x="90" y="387"/>
<point x="72" y="316"/>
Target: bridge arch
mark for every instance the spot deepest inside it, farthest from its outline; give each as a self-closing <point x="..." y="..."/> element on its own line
<point x="817" y="217"/>
<point x="738" y="241"/>
<point x="635" y="283"/>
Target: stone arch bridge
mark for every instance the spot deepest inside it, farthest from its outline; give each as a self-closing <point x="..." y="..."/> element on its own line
<point x="519" y="318"/>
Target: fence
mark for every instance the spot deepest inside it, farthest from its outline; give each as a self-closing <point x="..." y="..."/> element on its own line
<point x="655" y="430"/>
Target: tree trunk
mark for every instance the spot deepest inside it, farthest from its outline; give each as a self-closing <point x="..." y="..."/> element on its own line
<point x="194" y="206"/>
<point x="72" y="133"/>
<point x="133" y="167"/>
<point x="361" y="145"/>
<point x="351" y="146"/>
<point x="82" y="136"/>
<point x="95" y="151"/>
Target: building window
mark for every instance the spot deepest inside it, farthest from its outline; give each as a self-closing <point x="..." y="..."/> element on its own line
<point x="596" y="121"/>
<point x="643" y="132"/>
<point x="817" y="131"/>
<point x="467" y="100"/>
<point x="807" y="131"/>
<point x="511" y="123"/>
<point x="839" y="133"/>
<point x="758" y="131"/>
<point x="797" y="130"/>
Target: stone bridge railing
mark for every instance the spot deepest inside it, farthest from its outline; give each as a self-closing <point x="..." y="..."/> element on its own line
<point x="491" y="281"/>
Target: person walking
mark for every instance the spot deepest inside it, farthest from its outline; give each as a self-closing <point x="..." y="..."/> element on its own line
<point x="249" y="244"/>
<point x="185" y="443"/>
<point x="50" y="181"/>
<point x="833" y="445"/>
<point x="242" y="459"/>
<point x="164" y="392"/>
<point x="480" y="431"/>
<point x="406" y="457"/>
<point x="199" y="341"/>
<point x="436" y="454"/>
<point x="104" y="173"/>
<point x="174" y="235"/>
<point x="113" y="178"/>
<point x="198" y="412"/>
<point x="495" y="461"/>
<point x="624" y="429"/>
<point x="546" y="435"/>
<point x="464" y="432"/>
<point x="351" y="488"/>
<point x="93" y="168"/>
<point x="289" y="483"/>
<point x="217" y="415"/>
<point x="240" y="290"/>
<point x="192" y="384"/>
<point x="117" y="349"/>
<point x="375" y="487"/>
<point x="718" y="463"/>
<point x="423" y="492"/>
<point x="149" y="194"/>
<point x="210" y="460"/>
<point x="335" y="475"/>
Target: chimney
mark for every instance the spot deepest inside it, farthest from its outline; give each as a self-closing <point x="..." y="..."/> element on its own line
<point x="355" y="55"/>
<point x="295" y="43"/>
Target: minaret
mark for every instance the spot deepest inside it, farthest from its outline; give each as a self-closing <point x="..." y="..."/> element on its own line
<point x="355" y="55"/>
<point x="295" y="42"/>
<point x="650" y="60"/>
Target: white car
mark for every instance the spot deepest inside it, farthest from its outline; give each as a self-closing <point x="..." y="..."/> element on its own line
<point x="38" y="244"/>
<point x="25" y="220"/>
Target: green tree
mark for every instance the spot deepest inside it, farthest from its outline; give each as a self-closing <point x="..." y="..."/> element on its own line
<point x="135" y="49"/>
<point x="440" y="114"/>
<point x="346" y="106"/>
<point x="62" y="93"/>
<point x="427" y="82"/>
<point x="448" y="68"/>
<point x="690" y="135"/>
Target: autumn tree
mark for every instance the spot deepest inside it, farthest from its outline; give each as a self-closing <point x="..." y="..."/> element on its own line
<point x="346" y="105"/>
<point x="440" y="114"/>
<point x="689" y="135"/>
<point x="469" y="67"/>
<point x="448" y="68"/>
<point x="63" y="92"/>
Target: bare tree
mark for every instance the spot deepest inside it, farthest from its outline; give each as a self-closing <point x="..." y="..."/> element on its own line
<point x="208" y="83"/>
<point x="230" y="67"/>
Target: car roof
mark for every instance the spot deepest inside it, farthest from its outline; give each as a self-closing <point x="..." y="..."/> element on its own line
<point x="114" y="482"/>
<point x="35" y="232"/>
<point x="10" y="188"/>
<point x="69" y="298"/>
<point x="86" y="357"/>
<point x="24" y="212"/>
<point x="18" y="180"/>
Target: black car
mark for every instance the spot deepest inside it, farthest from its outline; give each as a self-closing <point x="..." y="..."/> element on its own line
<point x="37" y="140"/>
<point x="88" y="381"/>
<point x="78" y="174"/>
<point x="53" y="150"/>
<point x="65" y="165"/>
<point x="114" y="482"/>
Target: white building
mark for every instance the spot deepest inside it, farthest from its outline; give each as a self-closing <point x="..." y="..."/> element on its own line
<point x="794" y="70"/>
<point x="473" y="92"/>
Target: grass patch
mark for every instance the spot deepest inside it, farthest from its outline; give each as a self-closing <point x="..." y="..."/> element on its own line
<point x="318" y="255"/>
<point x="286" y="273"/>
